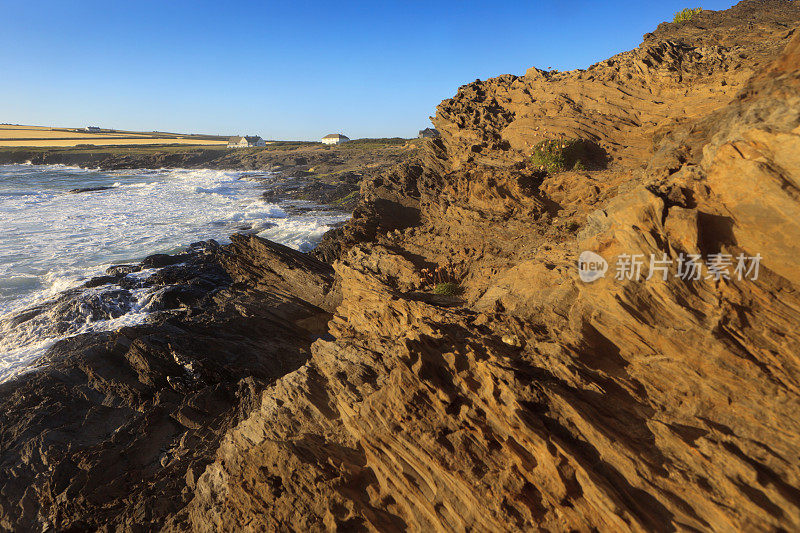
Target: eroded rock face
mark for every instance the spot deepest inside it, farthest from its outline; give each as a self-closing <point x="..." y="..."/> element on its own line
<point x="536" y="400"/>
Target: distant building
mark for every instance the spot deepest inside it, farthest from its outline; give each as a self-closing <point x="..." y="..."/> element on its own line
<point x="92" y="129"/>
<point x="428" y="133"/>
<point x="246" y="141"/>
<point x="334" y="138"/>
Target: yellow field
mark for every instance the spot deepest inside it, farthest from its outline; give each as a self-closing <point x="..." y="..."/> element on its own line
<point x="18" y="127"/>
<point x="41" y="136"/>
<point x="27" y="133"/>
<point x="110" y="142"/>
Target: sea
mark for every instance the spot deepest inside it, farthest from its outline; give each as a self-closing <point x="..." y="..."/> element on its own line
<point x="53" y="240"/>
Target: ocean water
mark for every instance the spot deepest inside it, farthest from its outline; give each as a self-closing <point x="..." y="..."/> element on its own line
<point x="52" y="240"/>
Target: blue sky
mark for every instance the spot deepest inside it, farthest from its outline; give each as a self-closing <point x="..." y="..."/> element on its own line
<point x="289" y="70"/>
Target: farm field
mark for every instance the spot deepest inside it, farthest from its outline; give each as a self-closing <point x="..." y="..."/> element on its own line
<point x="42" y="136"/>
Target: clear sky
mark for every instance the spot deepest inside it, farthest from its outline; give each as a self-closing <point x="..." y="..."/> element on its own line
<point x="289" y="70"/>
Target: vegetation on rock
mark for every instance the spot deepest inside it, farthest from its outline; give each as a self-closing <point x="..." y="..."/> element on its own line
<point x="686" y="14"/>
<point x="447" y="289"/>
<point x="442" y="279"/>
<point x="557" y="155"/>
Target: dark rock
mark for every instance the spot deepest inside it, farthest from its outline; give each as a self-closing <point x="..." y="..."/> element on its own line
<point x="174" y="297"/>
<point x="112" y="418"/>
<point x="89" y="189"/>
<point x="205" y="246"/>
<point x="102" y="280"/>
<point x="161" y="260"/>
<point x="122" y="270"/>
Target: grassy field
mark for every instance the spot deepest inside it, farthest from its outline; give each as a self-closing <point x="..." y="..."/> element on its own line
<point x="40" y="136"/>
<point x="63" y="143"/>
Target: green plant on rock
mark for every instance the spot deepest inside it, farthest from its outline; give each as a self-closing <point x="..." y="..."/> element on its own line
<point x="447" y="289"/>
<point x="557" y="155"/>
<point x="345" y="199"/>
<point x="443" y="280"/>
<point x="687" y="14"/>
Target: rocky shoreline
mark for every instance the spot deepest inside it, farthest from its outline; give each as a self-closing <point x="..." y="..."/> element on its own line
<point x="301" y="170"/>
<point x="340" y="390"/>
<point x="109" y="418"/>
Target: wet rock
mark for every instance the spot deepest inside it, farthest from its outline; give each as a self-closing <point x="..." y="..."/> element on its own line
<point x="174" y="297"/>
<point x="89" y="189"/>
<point x="75" y="307"/>
<point x="97" y="281"/>
<point x="122" y="270"/>
<point x="112" y="418"/>
<point x="205" y="247"/>
<point x="161" y="260"/>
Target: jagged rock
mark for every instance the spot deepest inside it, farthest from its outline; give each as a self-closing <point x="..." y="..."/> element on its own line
<point x="544" y="401"/>
<point x="109" y="427"/>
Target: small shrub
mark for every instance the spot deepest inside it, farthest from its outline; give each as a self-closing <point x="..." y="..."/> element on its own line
<point x="443" y="279"/>
<point x="448" y="289"/>
<point x="687" y="14"/>
<point x="557" y="155"/>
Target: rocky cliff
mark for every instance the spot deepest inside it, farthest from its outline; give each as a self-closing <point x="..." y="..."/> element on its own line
<point x="532" y="399"/>
<point x="518" y="397"/>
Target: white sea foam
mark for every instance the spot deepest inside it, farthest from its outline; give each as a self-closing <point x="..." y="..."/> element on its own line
<point x="53" y="241"/>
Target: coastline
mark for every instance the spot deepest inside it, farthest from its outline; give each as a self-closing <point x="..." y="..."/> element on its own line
<point x="108" y="297"/>
<point x="324" y="174"/>
<point x="193" y="367"/>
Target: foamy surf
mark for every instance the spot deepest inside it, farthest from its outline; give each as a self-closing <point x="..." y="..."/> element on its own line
<point x="54" y="241"/>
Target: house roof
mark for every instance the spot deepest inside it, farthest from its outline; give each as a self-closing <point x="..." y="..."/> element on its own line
<point x="335" y="136"/>
<point x="250" y="139"/>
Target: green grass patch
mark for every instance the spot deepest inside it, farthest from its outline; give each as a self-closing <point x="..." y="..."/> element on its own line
<point x="685" y="15"/>
<point x="371" y="144"/>
<point x="557" y="155"/>
<point x="447" y="289"/>
<point x="352" y="197"/>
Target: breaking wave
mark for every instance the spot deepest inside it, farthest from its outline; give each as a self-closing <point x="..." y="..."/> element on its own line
<point x="55" y="238"/>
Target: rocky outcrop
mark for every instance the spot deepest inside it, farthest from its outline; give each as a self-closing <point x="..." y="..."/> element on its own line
<point x="532" y="399"/>
<point x="113" y="429"/>
<point x="360" y="397"/>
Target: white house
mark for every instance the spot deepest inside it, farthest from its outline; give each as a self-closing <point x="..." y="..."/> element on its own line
<point x="246" y="141"/>
<point x="428" y="133"/>
<point x="334" y="138"/>
<point x="92" y="129"/>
